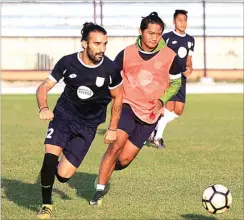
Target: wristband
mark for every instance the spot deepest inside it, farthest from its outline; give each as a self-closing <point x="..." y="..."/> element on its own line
<point x="112" y="129"/>
<point x="43" y="108"/>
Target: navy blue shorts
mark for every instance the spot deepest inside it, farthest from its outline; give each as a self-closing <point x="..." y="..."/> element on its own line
<point x="74" y="138"/>
<point x="181" y="95"/>
<point x="137" y="130"/>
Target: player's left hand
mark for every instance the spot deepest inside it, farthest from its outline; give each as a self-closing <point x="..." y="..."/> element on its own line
<point x="158" y="107"/>
<point x="110" y="136"/>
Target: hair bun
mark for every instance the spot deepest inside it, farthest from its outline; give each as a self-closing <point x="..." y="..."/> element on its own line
<point x="87" y="24"/>
<point x="154" y="14"/>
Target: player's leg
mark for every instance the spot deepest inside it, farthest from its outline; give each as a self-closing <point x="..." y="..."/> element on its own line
<point x="75" y="151"/>
<point x="107" y="166"/>
<point x="48" y="171"/>
<point x="126" y="155"/>
<point x="134" y="144"/>
<point x="125" y="127"/>
<point x="53" y="147"/>
<point x="179" y="108"/>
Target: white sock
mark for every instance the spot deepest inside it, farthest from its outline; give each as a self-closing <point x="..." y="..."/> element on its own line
<point x="168" y="117"/>
<point x="100" y="187"/>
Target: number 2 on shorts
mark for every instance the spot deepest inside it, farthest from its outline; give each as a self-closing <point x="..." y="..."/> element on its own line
<point x="49" y="133"/>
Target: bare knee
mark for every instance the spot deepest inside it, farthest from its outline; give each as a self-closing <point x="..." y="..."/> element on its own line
<point x="179" y="110"/>
<point x="115" y="149"/>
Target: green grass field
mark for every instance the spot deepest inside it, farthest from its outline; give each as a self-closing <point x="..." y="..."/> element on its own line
<point x="204" y="147"/>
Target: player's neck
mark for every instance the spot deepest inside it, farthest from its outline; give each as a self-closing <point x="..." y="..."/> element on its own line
<point x="86" y="60"/>
<point x="179" y="32"/>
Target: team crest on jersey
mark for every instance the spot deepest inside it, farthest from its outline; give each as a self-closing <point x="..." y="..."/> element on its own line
<point x="84" y="92"/>
<point x="100" y="81"/>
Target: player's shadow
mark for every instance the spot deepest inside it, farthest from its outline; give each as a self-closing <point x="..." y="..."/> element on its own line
<point x="23" y="194"/>
<point x="27" y="195"/>
<point x="197" y="217"/>
<point x="84" y="184"/>
<point x="101" y="131"/>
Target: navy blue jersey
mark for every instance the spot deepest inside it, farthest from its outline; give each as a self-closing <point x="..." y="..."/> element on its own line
<point x="174" y="71"/>
<point x="87" y="90"/>
<point x="182" y="45"/>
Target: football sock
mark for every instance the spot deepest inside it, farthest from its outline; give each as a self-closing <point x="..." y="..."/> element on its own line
<point x="100" y="187"/>
<point x="168" y="117"/>
<point x="47" y="177"/>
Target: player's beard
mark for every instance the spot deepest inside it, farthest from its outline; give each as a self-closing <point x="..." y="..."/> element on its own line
<point x="94" y="57"/>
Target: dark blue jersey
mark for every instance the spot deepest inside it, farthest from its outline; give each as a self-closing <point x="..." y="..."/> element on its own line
<point x="87" y="90"/>
<point x="182" y="45"/>
<point x="174" y="72"/>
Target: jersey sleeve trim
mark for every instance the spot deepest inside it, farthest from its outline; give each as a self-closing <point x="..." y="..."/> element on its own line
<point x="113" y="87"/>
<point x="190" y="53"/>
<point x="52" y="78"/>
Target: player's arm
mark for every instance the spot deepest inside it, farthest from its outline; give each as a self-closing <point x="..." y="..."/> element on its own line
<point x="116" y="93"/>
<point x="174" y="82"/>
<point x="116" y="106"/>
<point x="45" y="87"/>
<point x="41" y="93"/>
<point x="189" y="67"/>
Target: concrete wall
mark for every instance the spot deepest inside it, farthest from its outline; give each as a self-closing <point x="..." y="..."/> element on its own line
<point x="20" y="53"/>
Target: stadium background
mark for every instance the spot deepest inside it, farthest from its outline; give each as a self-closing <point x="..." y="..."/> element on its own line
<point x="37" y="34"/>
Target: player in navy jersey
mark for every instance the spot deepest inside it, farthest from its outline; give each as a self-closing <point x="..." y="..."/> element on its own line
<point x="92" y="81"/>
<point x="183" y="45"/>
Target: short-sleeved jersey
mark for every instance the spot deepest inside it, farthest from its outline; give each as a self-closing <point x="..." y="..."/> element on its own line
<point x="87" y="90"/>
<point x="182" y="45"/>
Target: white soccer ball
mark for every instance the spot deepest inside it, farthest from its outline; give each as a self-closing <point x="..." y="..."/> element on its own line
<point x="216" y="199"/>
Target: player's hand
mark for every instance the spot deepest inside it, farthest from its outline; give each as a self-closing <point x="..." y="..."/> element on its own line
<point x="187" y="73"/>
<point x="110" y="136"/>
<point x="158" y="107"/>
<point x="46" y="114"/>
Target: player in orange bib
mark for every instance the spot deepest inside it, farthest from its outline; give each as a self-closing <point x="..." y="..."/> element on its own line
<point x="150" y="79"/>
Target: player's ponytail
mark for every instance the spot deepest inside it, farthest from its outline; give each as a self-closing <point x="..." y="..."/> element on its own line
<point x="90" y="27"/>
<point x="152" y="18"/>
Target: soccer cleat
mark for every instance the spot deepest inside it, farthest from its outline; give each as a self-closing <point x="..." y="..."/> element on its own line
<point x="159" y="143"/>
<point x="97" y="198"/>
<point x="45" y="212"/>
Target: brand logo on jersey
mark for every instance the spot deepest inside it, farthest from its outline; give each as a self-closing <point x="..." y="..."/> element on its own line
<point x="84" y="92"/>
<point x="174" y="42"/>
<point x="72" y="76"/>
<point x="100" y="81"/>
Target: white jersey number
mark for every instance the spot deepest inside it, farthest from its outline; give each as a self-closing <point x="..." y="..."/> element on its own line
<point x="49" y="133"/>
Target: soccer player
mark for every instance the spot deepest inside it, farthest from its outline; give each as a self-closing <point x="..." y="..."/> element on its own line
<point x="183" y="45"/>
<point x="150" y="79"/>
<point x="92" y="81"/>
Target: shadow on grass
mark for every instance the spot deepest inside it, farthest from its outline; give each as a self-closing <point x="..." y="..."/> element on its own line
<point x="197" y="217"/>
<point x="101" y="131"/>
<point x="23" y="194"/>
<point x="28" y="195"/>
<point x="84" y="185"/>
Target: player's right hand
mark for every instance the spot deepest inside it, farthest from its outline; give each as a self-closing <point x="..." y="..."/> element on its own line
<point x="46" y="114"/>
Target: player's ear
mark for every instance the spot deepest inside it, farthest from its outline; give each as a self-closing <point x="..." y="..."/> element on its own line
<point x="174" y="22"/>
<point x="84" y="44"/>
<point x="139" y="31"/>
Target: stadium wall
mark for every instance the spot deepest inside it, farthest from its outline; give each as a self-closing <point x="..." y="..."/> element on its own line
<point x="21" y="56"/>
